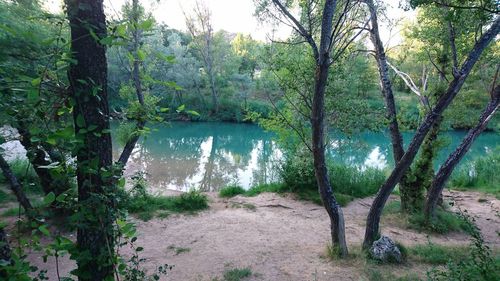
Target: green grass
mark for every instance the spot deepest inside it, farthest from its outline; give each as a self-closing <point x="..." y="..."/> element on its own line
<point x="231" y="191"/>
<point x="480" y="174"/>
<point x="146" y="206"/>
<point x="444" y="221"/>
<point x="437" y="254"/>
<point x="237" y="274"/>
<point x="12" y="212"/>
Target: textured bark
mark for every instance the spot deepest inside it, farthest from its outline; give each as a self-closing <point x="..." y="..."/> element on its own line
<point x="373" y="219"/>
<point x="15" y="186"/>
<point x="5" y="251"/>
<point x="454" y="158"/>
<point x="385" y="84"/>
<point x="136" y="77"/>
<point x="88" y="80"/>
<point x="333" y="209"/>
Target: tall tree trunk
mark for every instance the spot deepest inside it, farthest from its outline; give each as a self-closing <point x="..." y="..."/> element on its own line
<point x="5" y="252"/>
<point x="385" y="84"/>
<point x="88" y="80"/>
<point x="373" y="219"/>
<point x="337" y="224"/>
<point x="136" y="77"/>
<point x="454" y="158"/>
<point x="15" y="186"/>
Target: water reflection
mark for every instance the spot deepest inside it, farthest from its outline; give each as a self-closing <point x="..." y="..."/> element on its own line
<point x="208" y="156"/>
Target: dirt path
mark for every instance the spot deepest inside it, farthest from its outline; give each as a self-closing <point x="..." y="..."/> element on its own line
<point x="280" y="238"/>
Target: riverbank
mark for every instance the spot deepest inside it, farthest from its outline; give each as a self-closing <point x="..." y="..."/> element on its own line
<point x="281" y="238"/>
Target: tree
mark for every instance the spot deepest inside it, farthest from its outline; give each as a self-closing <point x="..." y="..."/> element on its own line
<point x="88" y="80"/>
<point x="200" y="28"/>
<point x="454" y="158"/>
<point x="373" y="219"/>
<point x="332" y="22"/>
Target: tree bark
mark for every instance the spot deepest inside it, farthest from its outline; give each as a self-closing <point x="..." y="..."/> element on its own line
<point x="88" y="80"/>
<point x="385" y="84"/>
<point x="373" y="219"/>
<point x="5" y="251"/>
<point x="454" y="158"/>
<point x="15" y="186"/>
<point x="337" y="224"/>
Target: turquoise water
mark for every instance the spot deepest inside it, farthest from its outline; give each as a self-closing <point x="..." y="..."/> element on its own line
<point x="208" y="156"/>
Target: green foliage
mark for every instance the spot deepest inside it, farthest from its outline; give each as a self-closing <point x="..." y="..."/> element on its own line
<point x="479" y="264"/>
<point x="237" y="274"/>
<point x="139" y="201"/>
<point x="480" y="174"/>
<point x="437" y="254"/>
<point x="348" y="182"/>
<point x="23" y="170"/>
<point x="443" y="222"/>
<point x="269" y="187"/>
<point x="5" y="197"/>
<point x="231" y="191"/>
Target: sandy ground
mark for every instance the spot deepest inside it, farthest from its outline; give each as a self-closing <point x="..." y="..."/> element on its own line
<point x="280" y="238"/>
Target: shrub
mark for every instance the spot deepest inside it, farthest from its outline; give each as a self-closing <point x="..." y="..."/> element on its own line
<point x="268" y="187"/>
<point x="478" y="264"/>
<point x="443" y="222"/>
<point x="481" y="174"/>
<point x="231" y="191"/>
<point x="348" y="182"/>
<point x="138" y="201"/>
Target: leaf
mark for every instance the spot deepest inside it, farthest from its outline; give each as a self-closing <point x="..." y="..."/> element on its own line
<point x="49" y="198"/>
<point x="147" y="24"/>
<point x="80" y="122"/>
<point x="43" y="229"/>
<point x="192" y="112"/>
<point x="36" y="82"/>
<point x="164" y="109"/>
<point x="181" y="108"/>
<point x="141" y="55"/>
<point x="121" y="182"/>
<point x="139" y="249"/>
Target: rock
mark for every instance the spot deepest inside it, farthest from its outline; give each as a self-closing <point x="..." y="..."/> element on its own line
<point x="385" y="250"/>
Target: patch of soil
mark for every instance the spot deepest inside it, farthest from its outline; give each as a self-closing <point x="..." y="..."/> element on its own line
<point x="279" y="238"/>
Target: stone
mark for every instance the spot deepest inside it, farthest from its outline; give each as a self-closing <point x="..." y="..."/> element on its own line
<point x="385" y="250"/>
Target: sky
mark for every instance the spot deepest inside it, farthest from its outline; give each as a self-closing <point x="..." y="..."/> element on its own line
<point x="235" y="16"/>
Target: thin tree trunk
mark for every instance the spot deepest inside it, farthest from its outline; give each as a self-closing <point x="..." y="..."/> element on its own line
<point x="5" y="251"/>
<point x="454" y="158"/>
<point x="129" y="146"/>
<point x="15" y="186"/>
<point x="337" y="224"/>
<point x="373" y="219"/>
<point x="385" y="84"/>
<point x="88" y="80"/>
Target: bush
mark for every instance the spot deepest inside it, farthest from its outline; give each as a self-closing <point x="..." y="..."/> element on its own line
<point x="443" y="222"/>
<point x="481" y="174"/>
<point x="268" y="187"/>
<point x="478" y="263"/>
<point x="138" y="201"/>
<point x="231" y="191"/>
<point x="348" y="182"/>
